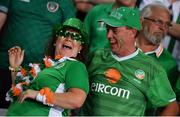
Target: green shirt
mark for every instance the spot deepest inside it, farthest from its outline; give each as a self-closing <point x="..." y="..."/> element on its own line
<point x="177" y="89"/>
<point x="125" y="90"/>
<point x="30" y="24"/>
<point x="168" y="63"/>
<point x="97" y="30"/>
<point x="59" y="78"/>
<point x="165" y="59"/>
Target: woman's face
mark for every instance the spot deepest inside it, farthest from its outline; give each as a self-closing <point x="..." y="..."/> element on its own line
<point x="67" y="45"/>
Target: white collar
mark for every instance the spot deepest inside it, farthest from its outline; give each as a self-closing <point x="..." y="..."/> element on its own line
<point x="125" y="57"/>
<point x="157" y="51"/>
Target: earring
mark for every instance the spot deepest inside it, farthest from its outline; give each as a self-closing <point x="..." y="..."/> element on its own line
<point x="54" y="44"/>
<point x="79" y="52"/>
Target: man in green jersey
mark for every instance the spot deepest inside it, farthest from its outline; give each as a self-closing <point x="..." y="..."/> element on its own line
<point x="28" y="24"/>
<point x="124" y="79"/>
<point x="155" y="23"/>
<point x="97" y="30"/>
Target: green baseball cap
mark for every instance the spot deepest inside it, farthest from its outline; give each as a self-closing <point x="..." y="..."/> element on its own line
<point x="123" y="16"/>
<point x="75" y="24"/>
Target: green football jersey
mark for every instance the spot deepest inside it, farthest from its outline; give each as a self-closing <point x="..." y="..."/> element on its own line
<point x="30" y="24"/>
<point x="177" y="89"/>
<point x="167" y="62"/>
<point x="165" y="59"/>
<point x="59" y="78"/>
<point x="122" y="86"/>
<point x="97" y="30"/>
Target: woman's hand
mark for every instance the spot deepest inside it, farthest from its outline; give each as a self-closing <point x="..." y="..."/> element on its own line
<point x="16" y="56"/>
<point x="28" y="94"/>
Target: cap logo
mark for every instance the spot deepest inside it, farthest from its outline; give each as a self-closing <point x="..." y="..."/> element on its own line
<point x="116" y="15"/>
<point x="112" y="75"/>
<point x="140" y="74"/>
<point x="52" y="6"/>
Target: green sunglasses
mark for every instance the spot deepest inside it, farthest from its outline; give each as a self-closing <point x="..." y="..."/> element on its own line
<point x="73" y="35"/>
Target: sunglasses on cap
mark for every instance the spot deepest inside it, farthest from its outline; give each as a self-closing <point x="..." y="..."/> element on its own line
<point x="73" y="35"/>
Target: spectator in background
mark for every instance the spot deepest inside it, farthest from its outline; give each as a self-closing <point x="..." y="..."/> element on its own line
<point x="28" y="24"/>
<point x="58" y="84"/>
<point x="155" y="24"/>
<point x="171" y="41"/>
<point x="84" y="6"/>
<point x="123" y="79"/>
<point x="97" y="30"/>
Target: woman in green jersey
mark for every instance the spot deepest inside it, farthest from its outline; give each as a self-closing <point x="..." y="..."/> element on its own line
<point x="56" y="85"/>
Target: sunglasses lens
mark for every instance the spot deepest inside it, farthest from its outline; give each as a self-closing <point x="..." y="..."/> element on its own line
<point x="73" y="35"/>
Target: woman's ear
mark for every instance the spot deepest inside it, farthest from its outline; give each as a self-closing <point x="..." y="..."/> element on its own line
<point x="80" y="48"/>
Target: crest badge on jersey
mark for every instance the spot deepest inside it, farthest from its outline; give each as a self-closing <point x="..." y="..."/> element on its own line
<point x="112" y="75"/>
<point x="140" y="74"/>
<point x="52" y="6"/>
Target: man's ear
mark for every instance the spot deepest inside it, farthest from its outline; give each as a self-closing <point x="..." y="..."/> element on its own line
<point x="141" y="21"/>
<point x="134" y="32"/>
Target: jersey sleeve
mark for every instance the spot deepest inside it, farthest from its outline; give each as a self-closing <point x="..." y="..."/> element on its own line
<point x="88" y="23"/>
<point x="160" y="92"/>
<point x="177" y="89"/>
<point x="77" y="77"/>
<point x="69" y="9"/>
<point x="4" y="4"/>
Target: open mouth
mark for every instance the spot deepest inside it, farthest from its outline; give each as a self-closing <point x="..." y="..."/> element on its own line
<point x="112" y="42"/>
<point x="67" y="46"/>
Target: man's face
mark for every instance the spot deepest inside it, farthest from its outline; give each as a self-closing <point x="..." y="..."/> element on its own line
<point x="155" y="27"/>
<point x="118" y="38"/>
<point x="127" y="3"/>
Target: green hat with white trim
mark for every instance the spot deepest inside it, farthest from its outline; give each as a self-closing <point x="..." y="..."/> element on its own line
<point x="123" y="16"/>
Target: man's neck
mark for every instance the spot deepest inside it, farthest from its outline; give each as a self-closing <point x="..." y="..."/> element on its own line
<point x="126" y="51"/>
